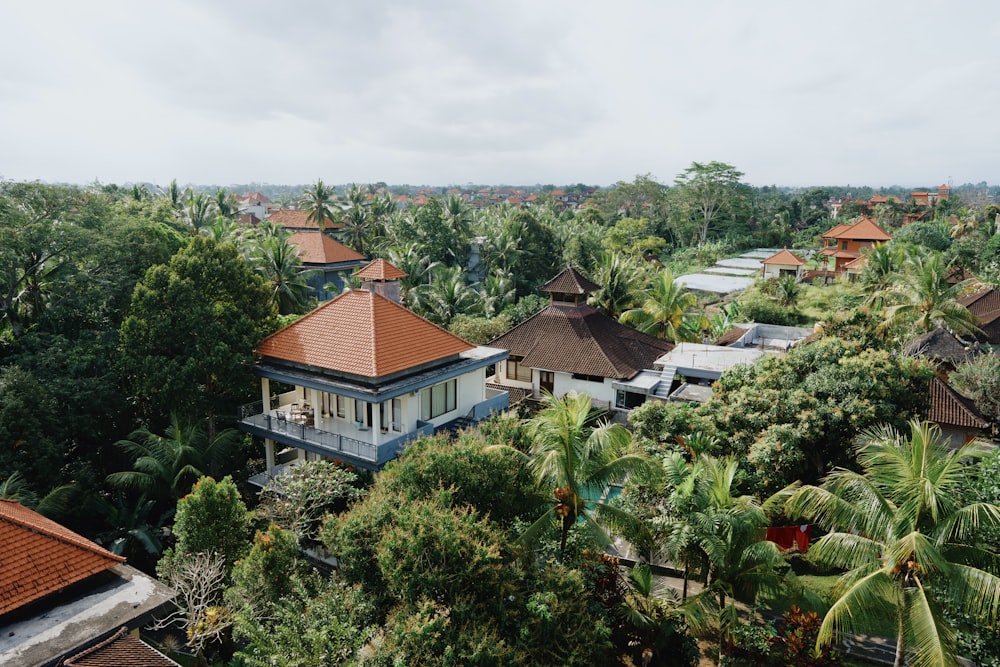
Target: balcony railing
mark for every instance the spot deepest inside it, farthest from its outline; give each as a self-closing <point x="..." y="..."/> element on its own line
<point x="333" y="443"/>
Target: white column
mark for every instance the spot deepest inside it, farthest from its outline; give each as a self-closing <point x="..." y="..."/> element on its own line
<point x="269" y="454"/>
<point x="376" y="422"/>
<point x="265" y="394"/>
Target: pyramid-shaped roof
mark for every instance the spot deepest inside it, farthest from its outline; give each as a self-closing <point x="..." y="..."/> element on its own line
<point x="785" y="257"/>
<point x="380" y="269"/>
<point x="318" y="248"/>
<point x="579" y="339"/>
<point x="297" y="219"/>
<point x="40" y="557"/>
<point x="570" y="281"/>
<point x="942" y="345"/>
<point x="362" y="333"/>
<point x="864" y="229"/>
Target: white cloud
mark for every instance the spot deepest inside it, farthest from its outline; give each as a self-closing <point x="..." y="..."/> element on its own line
<point x="516" y="92"/>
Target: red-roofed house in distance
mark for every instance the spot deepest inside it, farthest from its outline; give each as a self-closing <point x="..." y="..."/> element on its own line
<point x="784" y="263"/>
<point x="365" y="376"/>
<point x="61" y="593"/>
<point x="844" y="243"/>
<point x="256" y="203"/>
<point x="331" y="262"/>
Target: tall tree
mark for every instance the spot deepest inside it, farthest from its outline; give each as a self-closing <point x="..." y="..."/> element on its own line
<point x="187" y="342"/>
<point x="707" y="189"/>
<point x="907" y="541"/>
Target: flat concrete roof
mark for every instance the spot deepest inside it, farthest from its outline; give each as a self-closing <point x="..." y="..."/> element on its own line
<point x="740" y="263"/>
<point x="127" y="598"/>
<point x="642" y="382"/>
<point x="706" y="282"/>
<point x="728" y="270"/>
<point x="716" y="358"/>
<point x="692" y="393"/>
<point x="761" y="253"/>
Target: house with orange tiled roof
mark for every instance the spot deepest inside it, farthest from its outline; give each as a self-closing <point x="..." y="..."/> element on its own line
<point x="364" y="376"/>
<point x="571" y="346"/>
<point x="329" y="261"/>
<point x="256" y="203"/>
<point x="783" y="263"/>
<point x="298" y="221"/>
<point x="60" y="592"/>
<point x="845" y="242"/>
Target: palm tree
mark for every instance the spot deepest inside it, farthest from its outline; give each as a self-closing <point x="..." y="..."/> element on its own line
<point x="53" y="504"/>
<point x="928" y="299"/>
<point x="725" y="532"/>
<point x="226" y="205"/>
<point x="446" y="296"/>
<point x="356" y="227"/>
<point x="318" y="203"/>
<point x="199" y="210"/>
<point x="618" y="276"/>
<point x="906" y="540"/>
<point x="666" y="311"/>
<point x="577" y="457"/>
<point x="498" y="290"/>
<point x="883" y="264"/>
<point x="277" y="259"/>
<point x="166" y="466"/>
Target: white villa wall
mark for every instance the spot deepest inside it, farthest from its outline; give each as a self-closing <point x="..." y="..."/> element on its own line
<point x="774" y="270"/>
<point x="602" y="392"/>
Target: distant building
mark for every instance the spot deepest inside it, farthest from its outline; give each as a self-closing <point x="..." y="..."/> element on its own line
<point x="845" y="242"/>
<point x="784" y="263"/>
<point x="570" y="346"/>
<point x="331" y="260"/>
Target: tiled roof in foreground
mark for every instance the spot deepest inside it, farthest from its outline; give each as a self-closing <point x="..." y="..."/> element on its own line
<point x="379" y="269"/>
<point x="362" y="333"/>
<point x="570" y="281"/>
<point x="39" y="557"/>
<point x="120" y="650"/>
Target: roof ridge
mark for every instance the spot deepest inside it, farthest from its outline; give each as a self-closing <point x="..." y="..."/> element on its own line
<point x="71" y="539"/>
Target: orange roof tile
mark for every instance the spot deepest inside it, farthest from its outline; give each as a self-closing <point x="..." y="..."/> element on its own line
<point x="785" y="257"/>
<point x="120" y="649"/>
<point x="40" y="557"/>
<point x="833" y="233"/>
<point x="362" y="333"/>
<point x="294" y="219"/>
<point x="318" y="248"/>
<point x="864" y="229"/>
<point x="379" y="269"/>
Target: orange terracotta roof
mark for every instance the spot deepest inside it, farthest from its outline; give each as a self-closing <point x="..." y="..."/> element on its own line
<point x="297" y="220"/>
<point x="379" y="269"/>
<point x="362" y="333"/>
<point x="950" y="408"/>
<point x="318" y="248"/>
<point x="570" y="281"/>
<point x="785" y="257"/>
<point x="858" y="263"/>
<point x="120" y="649"/>
<point x="40" y="557"/>
<point x="833" y="233"/>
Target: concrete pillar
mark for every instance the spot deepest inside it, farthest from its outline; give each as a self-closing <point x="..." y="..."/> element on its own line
<point x="269" y="454"/>
<point x="265" y="394"/>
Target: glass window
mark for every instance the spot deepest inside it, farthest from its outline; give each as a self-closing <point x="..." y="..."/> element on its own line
<point x="360" y="412"/>
<point x="341" y="406"/>
<point x="439" y="399"/>
<point x="515" y="371"/>
<point x="397" y="415"/>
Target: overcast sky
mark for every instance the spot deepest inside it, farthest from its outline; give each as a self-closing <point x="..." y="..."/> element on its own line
<point x="450" y="92"/>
